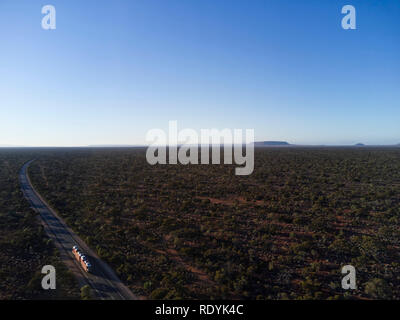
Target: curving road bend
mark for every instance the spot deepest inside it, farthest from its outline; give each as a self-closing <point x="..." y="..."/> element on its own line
<point x="104" y="282"/>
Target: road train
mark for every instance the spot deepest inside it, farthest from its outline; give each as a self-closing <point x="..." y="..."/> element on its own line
<point x="79" y="255"/>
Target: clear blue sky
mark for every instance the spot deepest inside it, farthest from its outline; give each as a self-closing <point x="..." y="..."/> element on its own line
<point x="112" y="70"/>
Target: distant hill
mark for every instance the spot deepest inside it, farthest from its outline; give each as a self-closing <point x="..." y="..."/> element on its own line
<point x="360" y="145"/>
<point x="271" y="143"/>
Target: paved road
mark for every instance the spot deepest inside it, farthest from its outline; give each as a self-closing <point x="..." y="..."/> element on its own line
<point x="104" y="282"/>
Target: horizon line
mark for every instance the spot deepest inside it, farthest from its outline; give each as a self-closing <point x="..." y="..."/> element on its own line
<point x="221" y="144"/>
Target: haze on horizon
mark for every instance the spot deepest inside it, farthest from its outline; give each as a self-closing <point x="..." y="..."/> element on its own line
<point x="111" y="72"/>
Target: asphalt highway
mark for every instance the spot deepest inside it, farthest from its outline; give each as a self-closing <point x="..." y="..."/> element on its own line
<point x="104" y="282"/>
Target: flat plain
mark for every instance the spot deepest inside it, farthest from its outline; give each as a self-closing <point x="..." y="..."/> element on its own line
<point x="199" y="231"/>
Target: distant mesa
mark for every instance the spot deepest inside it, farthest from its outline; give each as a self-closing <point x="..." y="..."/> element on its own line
<point x="360" y="145"/>
<point x="271" y="143"/>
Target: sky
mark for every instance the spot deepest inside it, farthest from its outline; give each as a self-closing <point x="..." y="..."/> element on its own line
<point x="113" y="70"/>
